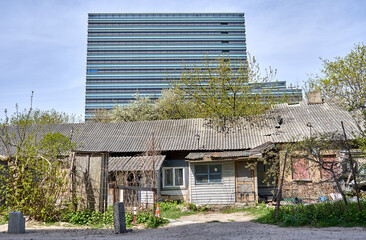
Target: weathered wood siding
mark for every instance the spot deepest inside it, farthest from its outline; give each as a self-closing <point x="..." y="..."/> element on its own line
<point x="90" y="181"/>
<point x="214" y="193"/>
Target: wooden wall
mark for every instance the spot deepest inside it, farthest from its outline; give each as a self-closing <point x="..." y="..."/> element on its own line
<point x="216" y="193"/>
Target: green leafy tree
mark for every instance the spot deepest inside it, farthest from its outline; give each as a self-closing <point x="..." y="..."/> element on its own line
<point x="173" y="105"/>
<point x="344" y="79"/>
<point x="36" y="180"/>
<point x="222" y="91"/>
<point x="227" y="91"/>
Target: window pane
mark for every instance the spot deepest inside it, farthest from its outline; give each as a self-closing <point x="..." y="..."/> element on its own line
<point x="168" y="177"/>
<point x="215" y="169"/>
<point x="178" y="176"/>
<point x="215" y="177"/>
<point x="203" y="178"/>
<point x="201" y="169"/>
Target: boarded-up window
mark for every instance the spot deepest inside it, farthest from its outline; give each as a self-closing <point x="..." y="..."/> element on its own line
<point x="328" y="160"/>
<point x="300" y="169"/>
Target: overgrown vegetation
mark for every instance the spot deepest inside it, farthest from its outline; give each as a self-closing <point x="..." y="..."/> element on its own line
<point x="325" y="214"/>
<point x="36" y="179"/>
<point x="90" y="218"/>
<point x="101" y="220"/>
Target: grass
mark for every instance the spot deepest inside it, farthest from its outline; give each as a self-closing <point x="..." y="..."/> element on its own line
<point x="233" y="210"/>
<point x="174" y="210"/>
<point x="316" y="215"/>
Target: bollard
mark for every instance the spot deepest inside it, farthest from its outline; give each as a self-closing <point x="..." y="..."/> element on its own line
<point x="134" y="215"/>
<point x="157" y="212"/>
<point x="119" y="218"/>
<point x="16" y="223"/>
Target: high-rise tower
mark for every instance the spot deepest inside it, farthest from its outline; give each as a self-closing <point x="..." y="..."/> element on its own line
<point x="142" y="53"/>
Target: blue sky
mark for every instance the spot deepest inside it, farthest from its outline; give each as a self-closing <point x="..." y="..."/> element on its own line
<point x="43" y="42"/>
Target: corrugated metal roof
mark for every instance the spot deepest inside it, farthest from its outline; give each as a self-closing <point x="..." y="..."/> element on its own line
<point x="135" y="163"/>
<point x="178" y="135"/>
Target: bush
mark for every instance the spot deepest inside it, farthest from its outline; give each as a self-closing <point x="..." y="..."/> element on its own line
<point x="318" y="215"/>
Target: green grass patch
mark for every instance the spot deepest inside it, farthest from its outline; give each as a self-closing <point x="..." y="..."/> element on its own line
<point x="174" y="210"/>
<point x="316" y="215"/>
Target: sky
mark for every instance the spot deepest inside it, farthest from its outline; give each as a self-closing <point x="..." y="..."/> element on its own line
<point x="43" y="42"/>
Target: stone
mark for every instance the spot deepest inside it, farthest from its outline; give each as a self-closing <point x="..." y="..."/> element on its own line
<point x="16" y="223"/>
<point x="119" y="218"/>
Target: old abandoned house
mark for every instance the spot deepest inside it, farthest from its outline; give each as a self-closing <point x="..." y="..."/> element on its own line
<point x="188" y="160"/>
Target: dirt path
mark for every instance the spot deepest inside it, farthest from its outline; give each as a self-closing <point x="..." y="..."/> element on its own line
<point x="200" y="226"/>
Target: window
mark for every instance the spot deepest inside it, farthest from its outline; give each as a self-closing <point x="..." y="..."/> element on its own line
<point x="300" y="169"/>
<point x="328" y="161"/>
<point x="206" y="174"/>
<point x="173" y="177"/>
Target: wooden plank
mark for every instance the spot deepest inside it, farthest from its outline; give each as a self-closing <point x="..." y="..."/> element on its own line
<point x="132" y="187"/>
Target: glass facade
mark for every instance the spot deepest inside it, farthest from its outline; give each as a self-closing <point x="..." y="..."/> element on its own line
<point x="143" y="53"/>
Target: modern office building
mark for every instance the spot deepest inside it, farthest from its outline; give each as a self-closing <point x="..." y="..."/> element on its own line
<point x="143" y="53"/>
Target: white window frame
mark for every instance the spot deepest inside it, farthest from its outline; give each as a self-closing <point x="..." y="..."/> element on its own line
<point x="174" y="186"/>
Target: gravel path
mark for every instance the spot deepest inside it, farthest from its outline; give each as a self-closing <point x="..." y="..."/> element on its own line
<point x="201" y="226"/>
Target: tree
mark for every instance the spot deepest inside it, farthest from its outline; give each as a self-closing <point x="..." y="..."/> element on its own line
<point x="142" y="109"/>
<point x="102" y="115"/>
<point x="226" y="91"/>
<point x="344" y="79"/>
<point x="223" y="91"/>
<point x="172" y="105"/>
<point x="36" y="180"/>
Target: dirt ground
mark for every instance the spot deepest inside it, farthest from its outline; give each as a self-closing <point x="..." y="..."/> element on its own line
<point x="200" y="226"/>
